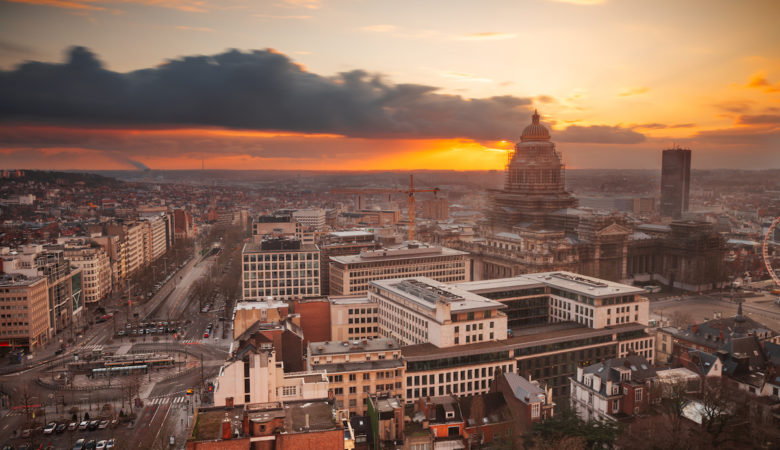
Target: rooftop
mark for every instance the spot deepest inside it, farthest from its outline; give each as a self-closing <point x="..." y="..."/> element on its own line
<point x="278" y="245"/>
<point x="524" y="390"/>
<point x="568" y="281"/>
<point x="426" y="292"/>
<point x="349" y="300"/>
<point x="270" y="304"/>
<point x="408" y="250"/>
<point x="319" y="413"/>
<point x="344" y="347"/>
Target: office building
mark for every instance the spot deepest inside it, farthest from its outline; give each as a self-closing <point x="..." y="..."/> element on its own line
<point x="353" y="318"/>
<point x="24" y="314"/>
<point x="357" y="369"/>
<point x="282" y="268"/>
<point x="310" y="218"/>
<point x="351" y="274"/>
<point x="675" y="182"/>
<point x="421" y="310"/>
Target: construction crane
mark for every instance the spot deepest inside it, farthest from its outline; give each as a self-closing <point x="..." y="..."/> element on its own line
<point x="409" y="192"/>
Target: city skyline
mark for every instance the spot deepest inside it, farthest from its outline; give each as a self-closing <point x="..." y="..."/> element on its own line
<point x="319" y="85"/>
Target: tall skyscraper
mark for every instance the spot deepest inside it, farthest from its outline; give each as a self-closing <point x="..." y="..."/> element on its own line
<point x="675" y="181"/>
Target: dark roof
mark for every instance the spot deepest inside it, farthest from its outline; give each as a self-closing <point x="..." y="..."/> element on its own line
<point x="484" y="408"/>
<point x="380" y="364"/>
<point x="701" y="361"/>
<point x="610" y="369"/>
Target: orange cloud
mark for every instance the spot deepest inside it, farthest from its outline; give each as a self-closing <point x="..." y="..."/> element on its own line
<point x="65" y="4"/>
<point x="91" y="5"/>
<point x="759" y="81"/>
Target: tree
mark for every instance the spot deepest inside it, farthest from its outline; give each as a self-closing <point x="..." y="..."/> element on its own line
<point x="567" y="429"/>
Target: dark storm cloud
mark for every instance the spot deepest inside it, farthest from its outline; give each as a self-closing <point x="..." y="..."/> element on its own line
<point x="256" y="90"/>
<point x="599" y="134"/>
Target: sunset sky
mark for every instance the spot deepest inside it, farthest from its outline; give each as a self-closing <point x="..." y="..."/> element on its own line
<point x="367" y="85"/>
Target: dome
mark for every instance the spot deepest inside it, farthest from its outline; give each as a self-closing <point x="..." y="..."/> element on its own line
<point x="535" y="131"/>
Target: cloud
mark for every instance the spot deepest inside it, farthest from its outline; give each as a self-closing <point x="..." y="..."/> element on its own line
<point x="257" y="90"/>
<point x="94" y="5"/>
<point x="581" y="2"/>
<point x="633" y="91"/>
<point x="487" y="36"/>
<point x="281" y="17"/>
<point x="308" y="4"/>
<point x="382" y="28"/>
<point x="203" y="29"/>
<point x="759" y="81"/>
<point x="466" y="76"/>
<point x="599" y="134"/>
<point x="742" y="137"/>
<point x="661" y="126"/>
<point x="735" y="106"/>
<point x="759" y="119"/>
<point x="13" y="48"/>
<point x="545" y="99"/>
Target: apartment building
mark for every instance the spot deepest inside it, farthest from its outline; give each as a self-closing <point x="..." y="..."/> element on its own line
<point x="156" y="238"/>
<point x="340" y="243"/>
<point x="24" y="312"/>
<point x="615" y="387"/>
<point x="357" y="369"/>
<point x="95" y="265"/>
<point x="351" y="274"/>
<point x="353" y="318"/>
<point x="282" y="268"/>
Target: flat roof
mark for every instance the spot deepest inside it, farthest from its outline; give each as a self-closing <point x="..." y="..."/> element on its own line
<point x="426" y="292"/>
<point x="360" y="366"/>
<point x="256" y="247"/>
<point x="356" y="346"/>
<point x="318" y="413"/>
<point x="405" y="251"/>
<point x="260" y="305"/>
<point x="349" y="300"/>
<point x="347" y="234"/>
<point x="545" y="335"/>
<point x="568" y="281"/>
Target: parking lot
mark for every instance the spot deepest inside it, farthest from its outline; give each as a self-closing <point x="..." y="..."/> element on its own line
<point x="66" y="435"/>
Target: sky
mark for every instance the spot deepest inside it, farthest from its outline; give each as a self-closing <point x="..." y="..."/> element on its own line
<point x="379" y="85"/>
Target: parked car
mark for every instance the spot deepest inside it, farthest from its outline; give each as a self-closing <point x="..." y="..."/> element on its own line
<point x="103" y="424"/>
<point x="73" y="426"/>
<point x="79" y="445"/>
<point x="49" y="428"/>
<point x="91" y="444"/>
<point x="60" y="428"/>
<point x="110" y="443"/>
<point x="83" y="425"/>
<point x="101" y="445"/>
<point x="93" y="425"/>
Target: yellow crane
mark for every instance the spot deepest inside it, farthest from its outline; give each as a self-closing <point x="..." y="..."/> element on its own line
<point x="409" y="192"/>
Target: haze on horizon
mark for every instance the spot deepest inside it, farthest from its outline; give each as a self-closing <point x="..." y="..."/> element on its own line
<point x="360" y="85"/>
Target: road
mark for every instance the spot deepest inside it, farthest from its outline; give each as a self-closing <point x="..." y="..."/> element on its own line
<point x="706" y="307"/>
<point x="166" y="405"/>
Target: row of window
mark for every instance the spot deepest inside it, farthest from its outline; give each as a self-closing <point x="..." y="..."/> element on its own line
<point x="268" y="257"/>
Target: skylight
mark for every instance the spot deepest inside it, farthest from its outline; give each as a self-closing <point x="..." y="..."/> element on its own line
<point x="633" y="367"/>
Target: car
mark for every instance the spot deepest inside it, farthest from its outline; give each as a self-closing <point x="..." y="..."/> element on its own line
<point x="103" y="424"/>
<point x="189" y="391"/>
<point x="59" y="351"/>
<point x="114" y="422"/>
<point x="49" y="428"/>
<point x="110" y="443"/>
<point x="83" y="425"/>
<point x="161" y="330"/>
<point x="134" y="332"/>
<point x="60" y="428"/>
<point x="27" y="432"/>
<point x="121" y="333"/>
<point x="93" y="425"/>
<point x="128" y="325"/>
<point x="73" y="426"/>
<point x="101" y="445"/>
<point x="79" y="445"/>
<point x="91" y="444"/>
<point x="206" y="335"/>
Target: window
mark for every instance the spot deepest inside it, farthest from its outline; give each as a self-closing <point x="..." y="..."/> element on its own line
<point x="535" y="410"/>
<point x="615" y="405"/>
<point x="638" y="395"/>
<point x="289" y="390"/>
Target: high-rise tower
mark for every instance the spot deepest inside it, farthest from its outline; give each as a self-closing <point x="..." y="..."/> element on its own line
<point x="534" y="186"/>
<point x="675" y="181"/>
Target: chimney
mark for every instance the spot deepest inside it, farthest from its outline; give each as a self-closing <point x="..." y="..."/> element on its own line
<point x="228" y="402"/>
<point x="307" y="421"/>
<point x="226" y="433"/>
<point x="245" y="424"/>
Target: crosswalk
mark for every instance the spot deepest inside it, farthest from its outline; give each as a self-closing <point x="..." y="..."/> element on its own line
<point x="190" y="341"/>
<point x="172" y="400"/>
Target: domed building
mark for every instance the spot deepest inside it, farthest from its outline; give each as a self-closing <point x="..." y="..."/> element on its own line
<point x="534" y="185"/>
